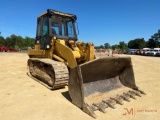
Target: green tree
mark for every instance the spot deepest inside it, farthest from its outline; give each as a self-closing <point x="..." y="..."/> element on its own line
<point x="11" y="41"/>
<point x="107" y="46"/>
<point x="156" y="39"/>
<point x="138" y="43"/>
<point x="29" y="42"/>
<point x="115" y="47"/>
<point x="151" y="43"/>
<point x="101" y="46"/>
<point x="97" y="47"/>
<point x="2" y="40"/>
<point x="122" y="45"/>
<point x="17" y="42"/>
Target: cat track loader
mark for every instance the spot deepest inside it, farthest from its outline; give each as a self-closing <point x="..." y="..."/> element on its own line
<point x="59" y="59"/>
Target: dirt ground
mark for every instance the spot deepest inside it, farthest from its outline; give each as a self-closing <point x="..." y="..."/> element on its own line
<point x="22" y="98"/>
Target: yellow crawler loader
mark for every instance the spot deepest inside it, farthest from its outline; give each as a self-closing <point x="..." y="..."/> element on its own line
<point x="59" y="59"/>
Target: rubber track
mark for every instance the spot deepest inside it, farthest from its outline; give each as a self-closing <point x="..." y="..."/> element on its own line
<point x="60" y="72"/>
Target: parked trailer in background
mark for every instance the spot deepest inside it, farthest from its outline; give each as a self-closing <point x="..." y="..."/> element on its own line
<point x="3" y="49"/>
<point x="6" y="49"/>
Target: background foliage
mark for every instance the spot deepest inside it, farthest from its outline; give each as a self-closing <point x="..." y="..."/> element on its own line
<point x="17" y="42"/>
<point x="138" y="43"/>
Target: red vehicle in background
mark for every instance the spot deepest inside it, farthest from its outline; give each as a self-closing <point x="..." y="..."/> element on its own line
<point x="6" y="49"/>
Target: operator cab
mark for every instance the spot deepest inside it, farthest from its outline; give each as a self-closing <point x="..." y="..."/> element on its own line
<point x="55" y="24"/>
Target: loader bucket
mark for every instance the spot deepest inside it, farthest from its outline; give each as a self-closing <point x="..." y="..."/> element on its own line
<point x="102" y="83"/>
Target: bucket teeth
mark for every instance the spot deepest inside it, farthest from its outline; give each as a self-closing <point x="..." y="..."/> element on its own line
<point x="118" y="100"/>
<point x="131" y="94"/>
<point x="100" y="107"/>
<point x="142" y="92"/>
<point x="110" y="103"/>
<point x="125" y="97"/>
<point x="137" y="93"/>
<point x="94" y="108"/>
<point x="113" y="101"/>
